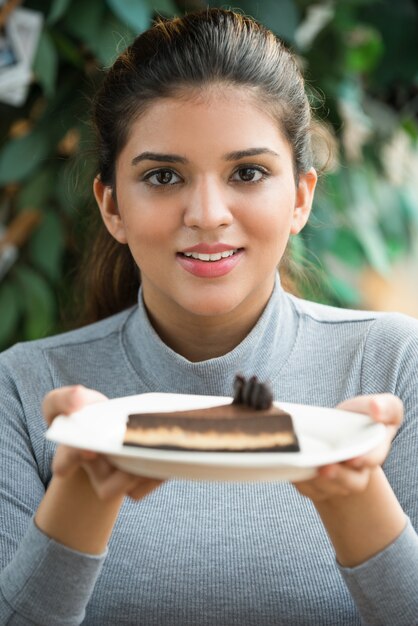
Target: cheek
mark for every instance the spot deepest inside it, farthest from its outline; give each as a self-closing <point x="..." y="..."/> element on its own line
<point x="149" y="236"/>
<point x="272" y="224"/>
<point x="270" y="231"/>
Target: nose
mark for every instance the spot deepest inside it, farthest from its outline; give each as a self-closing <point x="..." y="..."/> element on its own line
<point x="207" y="206"/>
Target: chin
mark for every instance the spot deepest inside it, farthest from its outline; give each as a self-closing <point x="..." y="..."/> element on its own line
<point x="210" y="307"/>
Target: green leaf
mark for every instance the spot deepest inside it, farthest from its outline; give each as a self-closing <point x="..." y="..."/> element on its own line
<point x="408" y="204"/>
<point x="37" y="300"/>
<point x="397" y="23"/>
<point x="166" y="7"/>
<point x="46" y="64"/>
<point x="345" y="293"/>
<point x="410" y="126"/>
<point x="37" y="191"/>
<point x="21" y="156"/>
<point x="347" y="248"/>
<point x="114" y="38"/>
<point x="281" y="17"/>
<point x="46" y="247"/>
<point x="395" y="249"/>
<point x="68" y="50"/>
<point x="134" y="13"/>
<point x="85" y="20"/>
<point x="363" y="214"/>
<point x="364" y="50"/>
<point x="374" y="246"/>
<point x="9" y="313"/>
<point x="57" y="10"/>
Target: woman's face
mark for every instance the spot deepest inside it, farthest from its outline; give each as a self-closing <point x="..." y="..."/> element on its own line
<point x="206" y="201"/>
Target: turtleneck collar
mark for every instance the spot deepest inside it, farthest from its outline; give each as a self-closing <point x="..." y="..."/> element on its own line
<point x="263" y="352"/>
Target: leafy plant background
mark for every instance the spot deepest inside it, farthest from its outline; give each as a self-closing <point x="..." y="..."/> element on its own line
<point x="360" y="60"/>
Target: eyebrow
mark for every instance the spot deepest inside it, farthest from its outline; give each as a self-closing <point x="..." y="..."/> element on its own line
<point x="241" y="154"/>
<point x="162" y="158"/>
<point x="176" y="158"/>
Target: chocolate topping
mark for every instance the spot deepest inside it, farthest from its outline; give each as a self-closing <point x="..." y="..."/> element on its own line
<point x="252" y="393"/>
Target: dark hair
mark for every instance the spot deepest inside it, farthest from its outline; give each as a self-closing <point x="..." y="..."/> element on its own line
<point x="199" y="49"/>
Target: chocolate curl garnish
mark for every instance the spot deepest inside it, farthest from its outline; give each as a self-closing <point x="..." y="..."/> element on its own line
<point x="252" y="393"/>
<point x="264" y="397"/>
<point x="249" y="391"/>
<point x="239" y="383"/>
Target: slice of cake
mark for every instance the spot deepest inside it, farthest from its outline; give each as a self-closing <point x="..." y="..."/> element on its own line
<point x="251" y="423"/>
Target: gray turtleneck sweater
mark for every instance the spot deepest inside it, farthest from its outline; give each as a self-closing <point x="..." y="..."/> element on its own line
<point x="208" y="553"/>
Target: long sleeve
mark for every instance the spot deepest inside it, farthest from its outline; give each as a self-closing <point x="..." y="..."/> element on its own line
<point x="47" y="583"/>
<point x="385" y="587"/>
<point x="41" y="581"/>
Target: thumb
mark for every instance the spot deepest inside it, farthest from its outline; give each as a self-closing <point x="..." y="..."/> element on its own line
<point x="66" y="400"/>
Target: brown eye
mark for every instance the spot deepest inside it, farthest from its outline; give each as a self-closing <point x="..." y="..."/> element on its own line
<point x="161" y="178"/>
<point x="249" y="174"/>
<point x="164" y="177"/>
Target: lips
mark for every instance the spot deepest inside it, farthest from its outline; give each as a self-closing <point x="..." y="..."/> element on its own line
<point x="210" y="248"/>
<point x="210" y="260"/>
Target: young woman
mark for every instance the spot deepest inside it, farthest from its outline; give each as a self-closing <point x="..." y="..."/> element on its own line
<point x="205" y="171"/>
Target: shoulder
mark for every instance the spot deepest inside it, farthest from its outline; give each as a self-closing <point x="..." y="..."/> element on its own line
<point x="87" y="334"/>
<point x="326" y="314"/>
<point x="32" y="358"/>
<point x="385" y="345"/>
<point x="90" y="333"/>
<point x="390" y="325"/>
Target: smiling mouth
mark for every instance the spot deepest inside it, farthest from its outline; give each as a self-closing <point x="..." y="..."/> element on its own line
<point x="217" y="256"/>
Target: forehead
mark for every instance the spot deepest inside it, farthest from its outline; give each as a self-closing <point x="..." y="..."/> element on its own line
<point x="214" y="119"/>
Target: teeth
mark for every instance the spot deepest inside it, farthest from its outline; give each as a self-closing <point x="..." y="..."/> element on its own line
<point x="210" y="257"/>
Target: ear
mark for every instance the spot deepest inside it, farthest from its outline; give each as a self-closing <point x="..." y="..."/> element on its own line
<point x="107" y="203"/>
<point x="304" y="197"/>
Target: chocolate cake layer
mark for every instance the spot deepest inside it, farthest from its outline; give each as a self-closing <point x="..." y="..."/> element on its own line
<point x="230" y="427"/>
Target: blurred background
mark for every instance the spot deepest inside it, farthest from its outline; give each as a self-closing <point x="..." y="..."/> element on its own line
<point x="360" y="59"/>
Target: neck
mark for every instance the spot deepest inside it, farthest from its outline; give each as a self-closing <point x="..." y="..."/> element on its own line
<point x="199" y="338"/>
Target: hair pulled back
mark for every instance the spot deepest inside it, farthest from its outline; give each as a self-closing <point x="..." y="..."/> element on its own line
<point x="194" y="51"/>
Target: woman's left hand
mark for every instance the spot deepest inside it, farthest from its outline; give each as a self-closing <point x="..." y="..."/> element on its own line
<point x="352" y="476"/>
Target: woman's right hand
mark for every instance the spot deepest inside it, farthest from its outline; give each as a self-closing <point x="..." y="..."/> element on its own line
<point x="107" y="481"/>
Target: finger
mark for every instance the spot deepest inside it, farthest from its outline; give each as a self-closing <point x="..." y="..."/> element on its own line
<point x="116" y="484"/>
<point x="98" y="469"/>
<point x="334" y="480"/>
<point x="67" y="459"/>
<point x="384" y="407"/>
<point x="373" y="458"/>
<point x="66" y="400"/>
<point x="144" y="488"/>
<point x="102" y="476"/>
<point x="320" y="486"/>
<point x="318" y="493"/>
<point x="347" y="479"/>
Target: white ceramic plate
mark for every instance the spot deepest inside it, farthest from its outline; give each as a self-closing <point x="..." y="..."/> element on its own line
<point x="325" y="436"/>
